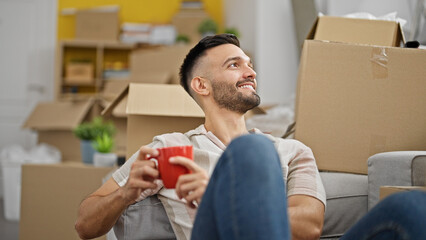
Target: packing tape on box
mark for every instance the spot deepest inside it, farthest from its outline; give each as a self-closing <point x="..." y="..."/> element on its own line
<point x="379" y="63"/>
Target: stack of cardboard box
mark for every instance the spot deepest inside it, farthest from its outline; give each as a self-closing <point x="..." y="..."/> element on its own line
<point x="359" y="93"/>
<point x="140" y="112"/>
<point x="148" y="64"/>
<point x="91" y="25"/>
<point x="154" y="109"/>
<point x="51" y="193"/>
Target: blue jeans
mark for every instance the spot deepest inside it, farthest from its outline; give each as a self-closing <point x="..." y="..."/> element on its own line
<point x="400" y="216"/>
<point x="246" y="199"/>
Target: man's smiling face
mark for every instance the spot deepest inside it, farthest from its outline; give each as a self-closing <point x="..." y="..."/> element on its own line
<point x="232" y="78"/>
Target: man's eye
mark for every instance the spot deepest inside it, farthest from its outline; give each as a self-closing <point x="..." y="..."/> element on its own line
<point x="233" y="65"/>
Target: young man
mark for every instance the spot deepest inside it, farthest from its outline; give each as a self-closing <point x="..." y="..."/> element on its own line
<point x="260" y="180"/>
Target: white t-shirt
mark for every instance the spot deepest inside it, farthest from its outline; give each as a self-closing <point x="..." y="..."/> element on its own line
<point x="298" y="167"/>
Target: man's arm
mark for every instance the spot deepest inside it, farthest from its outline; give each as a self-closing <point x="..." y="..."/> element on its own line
<point x="306" y="216"/>
<point x="99" y="212"/>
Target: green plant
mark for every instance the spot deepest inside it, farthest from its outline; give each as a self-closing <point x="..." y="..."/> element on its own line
<point x="103" y="143"/>
<point x="182" y="38"/>
<point x="100" y="127"/>
<point x="93" y="129"/>
<point x="206" y="26"/>
<point x="83" y="131"/>
<point x="233" y="30"/>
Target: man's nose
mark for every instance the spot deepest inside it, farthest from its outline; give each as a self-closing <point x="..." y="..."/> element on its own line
<point x="249" y="73"/>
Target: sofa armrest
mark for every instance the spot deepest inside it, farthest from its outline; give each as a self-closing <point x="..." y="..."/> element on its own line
<point x="402" y="168"/>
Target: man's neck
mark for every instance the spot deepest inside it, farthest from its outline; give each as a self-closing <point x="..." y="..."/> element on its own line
<point x="225" y="125"/>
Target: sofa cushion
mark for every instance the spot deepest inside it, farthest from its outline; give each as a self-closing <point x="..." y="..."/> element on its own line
<point x="399" y="168"/>
<point x="347" y="198"/>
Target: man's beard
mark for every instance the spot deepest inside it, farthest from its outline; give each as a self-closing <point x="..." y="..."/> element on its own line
<point x="227" y="96"/>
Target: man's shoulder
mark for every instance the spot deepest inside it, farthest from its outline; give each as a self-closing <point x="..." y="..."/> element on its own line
<point x="292" y="142"/>
<point x="284" y="142"/>
<point x="172" y="139"/>
<point x="177" y="138"/>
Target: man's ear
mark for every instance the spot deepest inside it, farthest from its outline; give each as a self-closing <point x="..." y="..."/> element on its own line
<point x="200" y="86"/>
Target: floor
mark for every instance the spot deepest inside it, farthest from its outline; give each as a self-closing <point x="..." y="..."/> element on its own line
<point x="9" y="230"/>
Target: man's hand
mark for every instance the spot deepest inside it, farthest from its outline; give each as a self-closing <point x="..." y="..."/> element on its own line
<point x="191" y="186"/>
<point x="99" y="211"/>
<point x="142" y="175"/>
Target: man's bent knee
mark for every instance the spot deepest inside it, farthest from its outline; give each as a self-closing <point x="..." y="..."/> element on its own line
<point x="253" y="150"/>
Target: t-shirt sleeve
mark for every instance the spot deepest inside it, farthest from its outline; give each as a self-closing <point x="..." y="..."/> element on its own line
<point x="303" y="175"/>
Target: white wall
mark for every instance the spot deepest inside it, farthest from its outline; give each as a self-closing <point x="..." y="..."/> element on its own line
<point x="27" y="50"/>
<point x="276" y="51"/>
<point x="242" y="15"/>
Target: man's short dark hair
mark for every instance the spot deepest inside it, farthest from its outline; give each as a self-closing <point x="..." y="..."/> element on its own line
<point x="199" y="50"/>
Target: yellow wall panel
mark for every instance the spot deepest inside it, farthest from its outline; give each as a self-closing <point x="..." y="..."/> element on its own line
<point x="158" y="11"/>
<point x="215" y="10"/>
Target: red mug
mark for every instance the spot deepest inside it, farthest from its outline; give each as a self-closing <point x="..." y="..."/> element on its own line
<point x="170" y="172"/>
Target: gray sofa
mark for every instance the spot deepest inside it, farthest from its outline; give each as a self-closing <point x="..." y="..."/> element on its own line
<point x="350" y="196"/>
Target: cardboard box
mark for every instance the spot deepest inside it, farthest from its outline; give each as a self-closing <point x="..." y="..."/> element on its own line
<point x="118" y="115"/>
<point x="97" y="24"/>
<point x="79" y="73"/>
<point x="51" y="195"/>
<point x="157" y="64"/>
<point x="361" y="31"/>
<point x="385" y="191"/>
<point x="154" y="109"/>
<point x="354" y="101"/>
<point x="187" y="22"/>
<point x="54" y="122"/>
<point x="113" y="88"/>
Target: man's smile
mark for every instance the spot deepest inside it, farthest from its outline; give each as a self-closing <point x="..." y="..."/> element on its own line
<point x="247" y="84"/>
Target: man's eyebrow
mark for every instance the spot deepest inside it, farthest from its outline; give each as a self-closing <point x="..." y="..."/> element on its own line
<point x="234" y="59"/>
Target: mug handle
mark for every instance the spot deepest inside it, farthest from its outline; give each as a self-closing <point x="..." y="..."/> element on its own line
<point x="151" y="158"/>
<point x="155" y="161"/>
